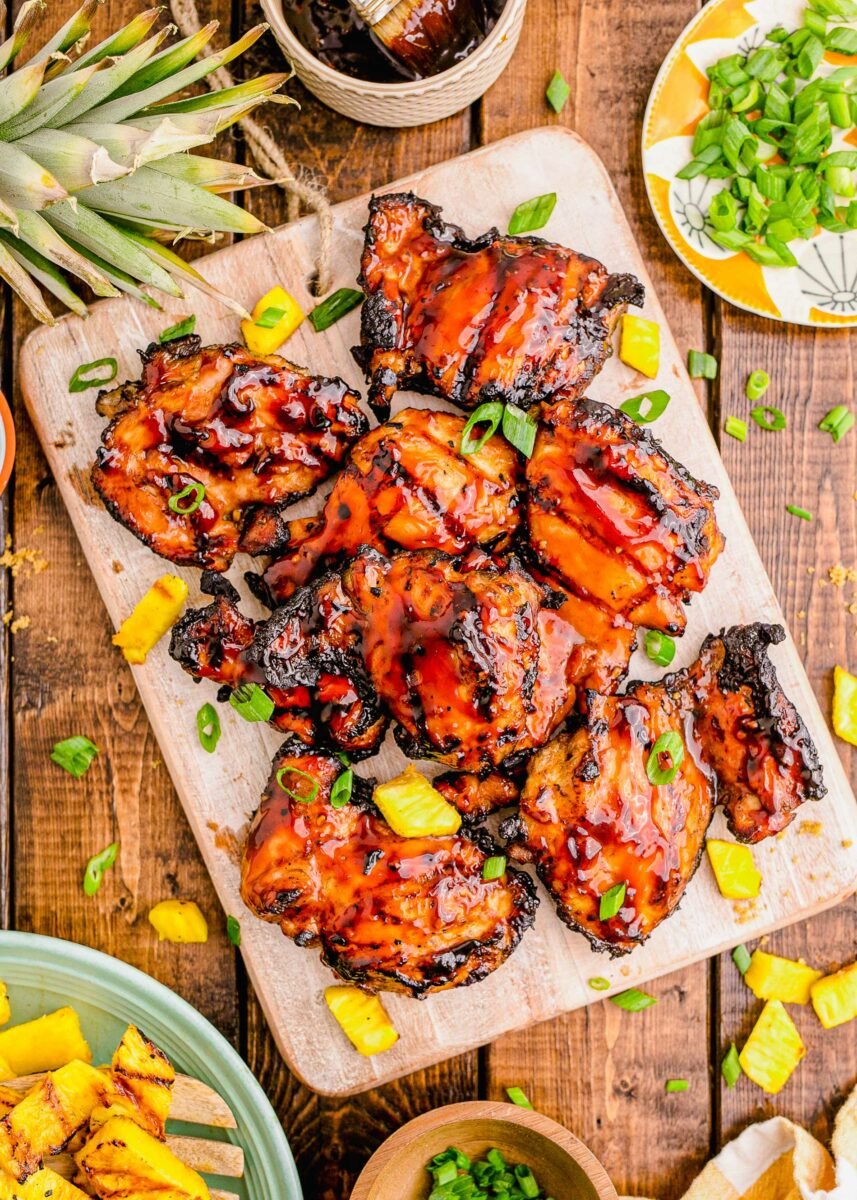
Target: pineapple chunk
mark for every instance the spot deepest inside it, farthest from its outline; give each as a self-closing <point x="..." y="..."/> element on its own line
<point x="122" y="1160"/>
<point x="640" y="344"/>
<point x="5" y="1006"/>
<point x="362" y="1018"/>
<point x="157" y="612"/>
<point x="773" y="1049"/>
<point x="44" y="1185"/>
<point x="179" y="921"/>
<point x="44" y="1044"/>
<point x="734" y="869"/>
<point x="413" y="808"/>
<point x="845" y="705"/>
<point x="9" y="1097"/>
<point x="143" y="1079"/>
<point x="834" y="997"/>
<point x="770" y="977"/>
<point x="260" y="339"/>
<point x="46" y="1120"/>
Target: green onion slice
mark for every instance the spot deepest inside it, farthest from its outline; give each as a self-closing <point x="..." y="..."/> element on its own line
<point x="301" y="797"/>
<point x="768" y="417"/>
<point x="557" y="92"/>
<point x="758" y="383"/>
<point x="797" y="511"/>
<point x="736" y="428"/>
<point x="340" y="793"/>
<point x="74" y="755"/>
<point x="676" y="1085"/>
<point x="730" y="1068"/>
<point x="518" y="1096"/>
<point x="660" y="648"/>
<point x="330" y="310"/>
<point x="233" y="930"/>
<point x="701" y="365"/>
<point x="208" y="727"/>
<point x="598" y="983"/>
<point x="252" y="703"/>
<point x="647" y="407"/>
<point x="665" y="758"/>
<point x="489" y="414"/>
<point x="633" y="1000"/>
<point x="194" y="492"/>
<point x="494" y="867"/>
<point x="93" y="875"/>
<point x="105" y="372"/>
<point x="837" y="422"/>
<point x="532" y="214"/>
<point x="520" y="429"/>
<point x="180" y="329"/>
<point x="269" y="318"/>
<point x="741" y="958"/>
<point x="611" y="901"/>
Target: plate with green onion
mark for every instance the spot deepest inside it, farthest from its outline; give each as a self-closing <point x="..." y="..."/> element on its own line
<point x="750" y="156"/>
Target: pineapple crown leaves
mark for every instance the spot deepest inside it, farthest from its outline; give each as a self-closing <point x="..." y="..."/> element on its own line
<point x="95" y="169"/>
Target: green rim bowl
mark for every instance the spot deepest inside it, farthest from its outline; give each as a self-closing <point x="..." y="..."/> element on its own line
<point x="44" y="973"/>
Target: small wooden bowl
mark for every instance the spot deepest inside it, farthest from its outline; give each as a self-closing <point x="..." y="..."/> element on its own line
<point x="564" y="1167"/>
<point x="7" y="443"/>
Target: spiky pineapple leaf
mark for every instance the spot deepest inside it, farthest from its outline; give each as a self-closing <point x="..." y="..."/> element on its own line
<point x="24" y="183"/>
<point x="75" y="162"/>
<point x="169" y="203"/>
<point x="118" y="43"/>
<point x="88" y="229"/>
<point x="75" y="28"/>
<point x="104" y="83"/>
<point x="19" y="89"/>
<point x="169" y="62"/>
<point x="21" y="282"/>
<point x="53" y="97"/>
<point x="43" y="271"/>
<point x="37" y="233"/>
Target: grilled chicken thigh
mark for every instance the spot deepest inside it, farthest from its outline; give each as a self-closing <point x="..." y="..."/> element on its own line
<point x="492" y="318"/>
<point x="615" y="517"/>
<point x="410" y="915"/>
<point x="210" y="433"/>
<point x="592" y="819"/>
<point x="405" y="484"/>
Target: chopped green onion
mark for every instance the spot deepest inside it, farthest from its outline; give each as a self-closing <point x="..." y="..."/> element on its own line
<point x="736" y="428"/>
<point x="796" y="511"/>
<point x="526" y="1181"/>
<point x="93" y="875"/>
<point x="768" y="417"/>
<point x="340" y="793"/>
<point x="701" y="365"/>
<point x="741" y="958"/>
<point x="233" y="930"/>
<point x="646" y="408"/>
<point x="612" y="901"/>
<point x="598" y="983"/>
<point x="252" y="702"/>
<point x="180" y="329"/>
<point x="676" y="1085"/>
<point x="300" y="797"/>
<point x="330" y="310"/>
<point x="445" y="1173"/>
<point x="665" y="758"/>
<point x="660" y="648"/>
<point x="837" y="422"/>
<point x="490" y="414"/>
<point x="494" y="867"/>
<point x="208" y="727"/>
<point x="532" y="214"/>
<point x="520" y="429"/>
<point x="557" y="92"/>
<point x="518" y="1096"/>
<point x="757" y="384"/>
<point x="730" y="1068"/>
<point x="74" y="755"/>
<point x="633" y="1000"/>
<point x="842" y="40"/>
<point x="195" y="492"/>
<point x="269" y="318"/>
<point x="83" y="377"/>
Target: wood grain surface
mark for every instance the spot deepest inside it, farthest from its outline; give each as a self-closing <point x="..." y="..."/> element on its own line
<point x="598" y="1070"/>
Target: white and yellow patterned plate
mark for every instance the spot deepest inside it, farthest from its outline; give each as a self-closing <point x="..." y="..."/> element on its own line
<point x="822" y="289"/>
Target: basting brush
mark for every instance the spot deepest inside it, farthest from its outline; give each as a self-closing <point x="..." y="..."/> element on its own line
<point x="425" y="36"/>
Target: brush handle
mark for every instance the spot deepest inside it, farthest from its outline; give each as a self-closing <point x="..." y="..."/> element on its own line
<point x="373" y="11"/>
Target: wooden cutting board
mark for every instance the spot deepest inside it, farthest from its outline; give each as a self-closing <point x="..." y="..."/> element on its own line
<point x="812" y="866"/>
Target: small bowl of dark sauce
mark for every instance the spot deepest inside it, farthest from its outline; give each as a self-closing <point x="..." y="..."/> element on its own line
<point x="341" y="61"/>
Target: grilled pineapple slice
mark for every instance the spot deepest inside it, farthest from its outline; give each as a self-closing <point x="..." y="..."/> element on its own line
<point x="773" y="1049"/>
<point x="121" y="1160"/>
<point x="46" y="1120"/>
<point x="143" y="1079"/>
<point x="770" y="977"/>
<point x="363" y="1019"/>
<point x="44" y="1185"/>
<point x="152" y="616"/>
<point x="9" y="1097"/>
<point x="413" y="808"/>
<point x="834" y="997"/>
<point x="44" y="1044"/>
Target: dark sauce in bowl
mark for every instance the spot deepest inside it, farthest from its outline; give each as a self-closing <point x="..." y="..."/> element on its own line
<point x="332" y="31"/>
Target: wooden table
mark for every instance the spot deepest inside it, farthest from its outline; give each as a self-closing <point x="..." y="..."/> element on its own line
<point x="600" y="1071"/>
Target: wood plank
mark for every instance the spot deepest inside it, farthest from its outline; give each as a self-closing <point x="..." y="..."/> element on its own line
<point x="601" y="1071"/>
<point x="810" y="372"/>
<point x="67" y="679"/>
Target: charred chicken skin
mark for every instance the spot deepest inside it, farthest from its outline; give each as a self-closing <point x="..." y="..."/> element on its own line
<point x="405" y="484"/>
<point x="619" y="520"/>
<point x="592" y="819"/>
<point x="494" y="318"/>
<point x="209" y="434"/>
<point x="410" y="915"/>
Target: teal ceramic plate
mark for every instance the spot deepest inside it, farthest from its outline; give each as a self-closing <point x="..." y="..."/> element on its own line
<point x="45" y="973"/>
